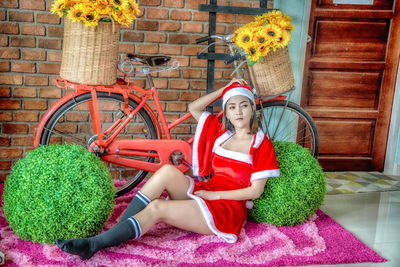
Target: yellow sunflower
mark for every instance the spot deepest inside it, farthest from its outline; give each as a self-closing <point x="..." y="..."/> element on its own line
<point x="284" y="40"/>
<point x="91" y="18"/>
<point x="253" y="53"/>
<point x="58" y="8"/>
<point x="134" y="6"/>
<point x="274" y="32"/>
<point x="260" y="36"/>
<point x="77" y="12"/>
<point x="119" y="4"/>
<point x="243" y="37"/>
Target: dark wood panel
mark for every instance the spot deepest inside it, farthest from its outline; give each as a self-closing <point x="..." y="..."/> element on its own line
<point x="324" y="112"/>
<point x="359" y="40"/>
<point x="318" y="63"/>
<point x="378" y="4"/>
<point x="329" y="88"/>
<point x="345" y="137"/>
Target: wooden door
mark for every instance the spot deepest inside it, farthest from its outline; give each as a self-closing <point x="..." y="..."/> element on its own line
<point x="349" y="80"/>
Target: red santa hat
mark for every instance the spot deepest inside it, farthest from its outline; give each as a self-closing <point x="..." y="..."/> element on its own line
<point x="237" y="89"/>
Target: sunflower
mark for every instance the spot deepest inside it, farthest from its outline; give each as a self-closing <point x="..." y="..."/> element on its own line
<point x="285" y="25"/>
<point x="254" y="53"/>
<point x="260" y="36"/>
<point x="134" y="6"/>
<point x="274" y="32"/>
<point x="119" y="4"/>
<point x="284" y="40"/>
<point x="243" y="37"/>
<point x="77" y="12"/>
<point x="58" y="7"/>
<point x="91" y="18"/>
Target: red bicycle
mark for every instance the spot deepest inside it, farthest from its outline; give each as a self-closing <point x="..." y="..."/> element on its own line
<point x="116" y="123"/>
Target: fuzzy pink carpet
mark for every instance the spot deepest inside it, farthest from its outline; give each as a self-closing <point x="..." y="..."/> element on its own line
<point x="318" y="241"/>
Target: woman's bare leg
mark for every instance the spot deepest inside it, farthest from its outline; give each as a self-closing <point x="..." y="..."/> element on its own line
<point x="183" y="214"/>
<point x="166" y="178"/>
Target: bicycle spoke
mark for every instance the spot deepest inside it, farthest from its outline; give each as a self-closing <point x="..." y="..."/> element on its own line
<point x="78" y="140"/>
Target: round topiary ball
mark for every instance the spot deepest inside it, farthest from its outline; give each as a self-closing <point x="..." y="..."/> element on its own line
<point x="294" y="196"/>
<point x="58" y="192"/>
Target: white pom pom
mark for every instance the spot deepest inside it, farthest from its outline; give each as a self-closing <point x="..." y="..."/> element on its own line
<point x="249" y="204"/>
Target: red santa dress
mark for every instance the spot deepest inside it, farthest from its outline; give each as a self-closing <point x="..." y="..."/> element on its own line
<point x="231" y="170"/>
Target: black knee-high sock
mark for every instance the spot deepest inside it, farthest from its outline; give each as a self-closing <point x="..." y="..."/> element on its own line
<point x="85" y="248"/>
<point x="138" y="203"/>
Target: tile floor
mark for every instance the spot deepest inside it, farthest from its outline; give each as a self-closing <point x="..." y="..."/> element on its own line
<point x="373" y="217"/>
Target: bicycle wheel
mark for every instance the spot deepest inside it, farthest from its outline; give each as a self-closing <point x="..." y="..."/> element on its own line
<point x="288" y="122"/>
<point x="71" y="123"/>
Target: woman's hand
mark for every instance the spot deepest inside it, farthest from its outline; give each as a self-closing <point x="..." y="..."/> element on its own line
<point x="209" y="195"/>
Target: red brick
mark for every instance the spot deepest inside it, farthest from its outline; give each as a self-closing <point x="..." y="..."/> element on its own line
<point x="54" y="31"/>
<point x="50" y="93"/>
<point x="150" y="2"/>
<point x="169" y="26"/>
<point x="5" y="116"/>
<point x="5" y="141"/>
<point x="178" y="84"/>
<point x="191" y="50"/>
<point x="174" y="3"/>
<point x="177" y="106"/>
<point x="11" y="128"/>
<point x="36" y="80"/>
<point x="49" y="43"/>
<point x="198" y="85"/>
<point x="9" y="53"/>
<point x="168" y="95"/>
<point x="133" y="36"/>
<point x="200" y="16"/>
<point x="178" y="39"/>
<point x="22" y="141"/>
<point x="194" y="4"/>
<point x="183" y="61"/>
<point x="5" y="165"/>
<point x="9" y="3"/>
<point x="170" y="74"/>
<point x="155" y="37"/>
<point x="49" y="68"/>
<point x="126" y="48"/>
<point x="20" y="16"/>
<point x="5" y="91"/>
<point x="31" y="54"/>
<point x="2" y="15"/>
<point x="3" y="175"/>
<point x="180" y="15"/>
<point x="189" y="96"/>
<point x="192" y="27"/>
<point x="146" y="25"/>
<point x="219" y="30"/>
<point x="9" y="28"/>
<point x="32" y="29"/>
<point x="156" y="13"/>
<point x="22" y="41"/>
<point x="24" y="92"/>
<point x="10" y="79"/>
<point x="54" y="56"/>
<point x="147" y="49"/>
<point x="244" y="19"/>
<point x="170" y="49"/>
<point x="226" y="18"/>
<point x="4" y="66"/>
<point x="26" y="116"/>
<point x="24" y="67"/>
<point x="3" y="40"/>
<point x="195" y="62"/>
<point x="35" y="104"/>
<point x="10" y="153"/>
<point x="191" y="73"/>
<point x="10" y="104"/>
<point x="33" y="4"/>
<point x="48" y="18"/>
<point x="181" y="129"/>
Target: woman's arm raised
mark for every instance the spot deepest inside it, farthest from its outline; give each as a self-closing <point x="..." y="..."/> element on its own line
<point x="197" y="107"/>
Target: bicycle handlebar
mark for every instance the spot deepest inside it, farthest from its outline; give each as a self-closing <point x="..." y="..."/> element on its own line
<point x="233" y="58"/>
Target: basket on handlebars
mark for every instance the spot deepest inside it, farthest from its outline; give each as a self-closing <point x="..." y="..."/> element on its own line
<point x="90" y="54"/>
<point x="273" y="75"/>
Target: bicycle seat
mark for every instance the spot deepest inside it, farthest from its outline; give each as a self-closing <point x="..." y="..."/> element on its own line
<point x="150" y="60"/>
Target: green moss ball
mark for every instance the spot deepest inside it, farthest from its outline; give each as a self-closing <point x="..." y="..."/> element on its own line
<point x="294" y="196"/>
<point x="58" y="192"/>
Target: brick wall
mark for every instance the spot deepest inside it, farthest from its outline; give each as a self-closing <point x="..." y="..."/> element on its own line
<point x="30" y="55"/>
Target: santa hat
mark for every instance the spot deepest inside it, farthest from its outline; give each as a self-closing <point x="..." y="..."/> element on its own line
<point x="236" y="89"/>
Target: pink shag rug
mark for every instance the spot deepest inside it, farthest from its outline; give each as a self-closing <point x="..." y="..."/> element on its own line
<point x="319" y="240"/>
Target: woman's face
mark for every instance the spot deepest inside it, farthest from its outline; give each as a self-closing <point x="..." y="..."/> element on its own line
<point x="239" y="111"/>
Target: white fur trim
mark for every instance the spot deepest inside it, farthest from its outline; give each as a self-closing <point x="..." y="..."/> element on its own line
<point x="233" y="155"/>
<point x="264" y="174"/>
<point x="199" y="129"/>
<point x="230" y="238"/>
<point x="259" y="138"/>
<point x="237" y="91"/>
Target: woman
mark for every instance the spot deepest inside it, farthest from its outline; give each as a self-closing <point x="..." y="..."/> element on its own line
<point x="239" y="158"/>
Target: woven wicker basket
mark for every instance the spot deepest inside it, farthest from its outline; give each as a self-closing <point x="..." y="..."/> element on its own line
<point x="90" y="54"/>
<point x="274" y="75"/>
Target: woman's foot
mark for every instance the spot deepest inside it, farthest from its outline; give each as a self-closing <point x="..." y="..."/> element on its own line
<point x="80" y="247"/>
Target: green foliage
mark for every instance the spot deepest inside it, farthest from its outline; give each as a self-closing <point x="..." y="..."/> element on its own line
<point x="58" y="192"/>
<point x="294" y="196"/>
